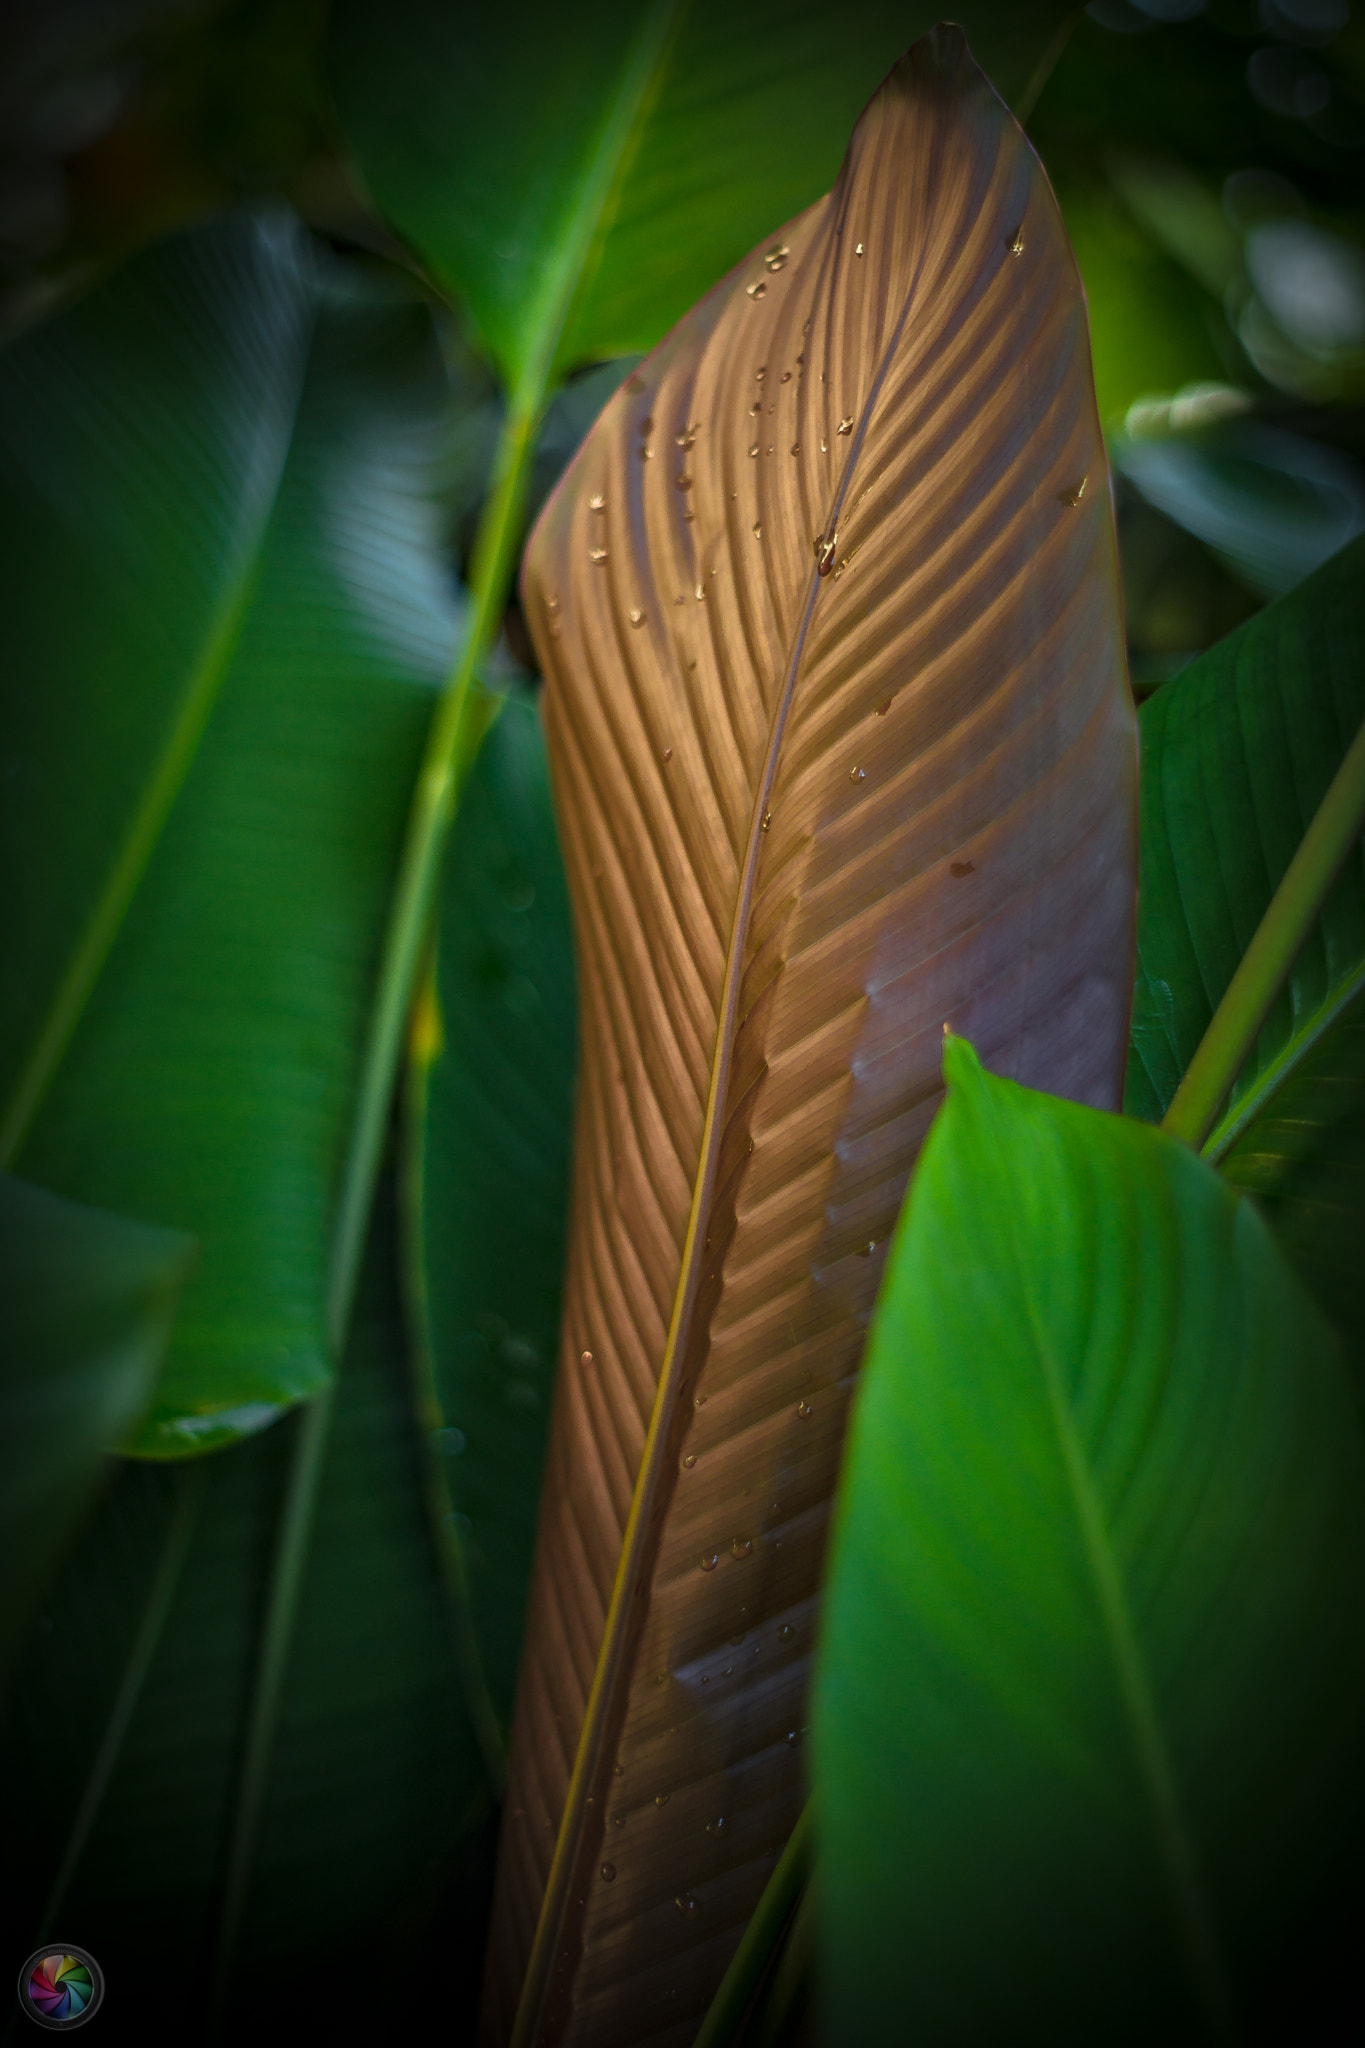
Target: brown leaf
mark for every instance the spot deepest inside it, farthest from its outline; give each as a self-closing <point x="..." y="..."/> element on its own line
<point x="843" y="749"/>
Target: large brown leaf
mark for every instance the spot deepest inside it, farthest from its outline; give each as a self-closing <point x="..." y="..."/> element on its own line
<point x="808" y="817"/>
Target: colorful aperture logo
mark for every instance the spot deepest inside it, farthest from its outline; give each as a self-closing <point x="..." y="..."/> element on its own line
<point x="61" y="1986"/>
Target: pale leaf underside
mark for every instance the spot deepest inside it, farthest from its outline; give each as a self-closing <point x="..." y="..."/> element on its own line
<point x="807" y="819"/>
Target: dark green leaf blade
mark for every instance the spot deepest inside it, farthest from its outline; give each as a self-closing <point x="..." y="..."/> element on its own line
<point x="87" y="1301"/>
<point x="373" y="1824"/>
<point x="482" y="137"/>
<point x="1091" y="1686"/>
<point x="211" y="1079"/>
<point x="1237" y="754"/>
<point x="488" y="1169"/>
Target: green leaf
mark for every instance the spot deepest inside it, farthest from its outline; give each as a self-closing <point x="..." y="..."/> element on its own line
<point x="1088" y="1718"/>
<point x="488" y="1170"/>
<point x="579" y="177"/>
<point x="87" y="1302"/>
<point x="226" y="613"/>
<point x="373" y="1832"/>
<point x="1237" y="754"/>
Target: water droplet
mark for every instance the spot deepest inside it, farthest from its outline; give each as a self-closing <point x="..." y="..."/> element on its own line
<point x="857" y="775"/>
<point x="761" y="372"/>
<point x="683" y="480"/>
<point x="688" y="514"/>
<point x="668" y="753"/>
<point x="846" y="425"/>
<point x="700" y="1401"/>
<point x="646" y="455"/>
<point x="618" y="1770"/>
<point x="777" y="256"/>
<point x="709" y="1561"/>
<point x="689" y="1461"/>
<point x="765" y="821"/>
<point x="786" y="377"/>
<point x="661" y="1799"/>
<point x="803" y="1409"/>
<point x="597" y="502"/>
<point x="598" y="555"/>
<point x="883" y="707"/>
<point x="754" y="449"/>
<point x="699" y="592"/>
<point x="1017" y="241"/>
<point x="785" y="1633"/>
<point x="824" y="445"/>
<point x="793" y="1736"/>
<point x="704" y="1679"/>
<point x="758" y="290"/>
<point x="801" y="359"/>
<point x="608" y="1872"/>
<point x="796" y="447"/>
<point x="758" y="533"/>
<point x="687" y="1905"/>
<point x="637" y="618"/>
<point x="824" y="553"/>
<point x="586" y="1360"/>
<point x="751" y="1144"/>
<point x="716" y="1826"/>
<point x="1075" y="494"/>
<point x="728" y="1672"/>
<point x="865" y="1251"/>
<point x="741" y="1546"/>
<point x="755" y="409"/>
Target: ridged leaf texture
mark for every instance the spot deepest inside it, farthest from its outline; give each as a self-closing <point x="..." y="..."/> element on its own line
<point x="807" y="818"/>
<point x="1087" y="1722"/>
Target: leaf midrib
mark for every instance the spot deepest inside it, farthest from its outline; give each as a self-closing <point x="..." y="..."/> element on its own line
<point x="641" y="1524"/>
<point x="1174" y="1841"/>
<point x="163" y="785"/>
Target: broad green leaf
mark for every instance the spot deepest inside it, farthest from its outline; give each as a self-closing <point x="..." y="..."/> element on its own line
<point x="1272" y="505"/>
<point x="814" y="799"/>
<point x="1148" y="330"/>
<point x="488" y="1169"/>
<point x="578" y="177"/>
<point x="87" y="1301"/>
<point x="225" y="612"/>
<point x="1091" y="1691"/>
<point x="1237" y="753"/>
<point x="373" y="1838"/>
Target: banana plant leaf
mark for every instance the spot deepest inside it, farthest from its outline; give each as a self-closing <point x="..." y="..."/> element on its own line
<point x="487" y="1173"/>
<point x="87" y="1301"/>
<point x="841" y="747"/>
<point x="1087" y="1728"/>
<point x="621" y="156"/>
<point x="226" y="612"/>
<point x="374" y="1838"/>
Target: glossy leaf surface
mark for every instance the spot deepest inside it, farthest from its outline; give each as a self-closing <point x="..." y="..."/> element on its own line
<point x="806" y="818"/>
<point x="488" y="1168"/>
<point x="579" y="177"/>
<point x="87" y="1301"/>
<point x="1237" y="754"/>
<point x="376" y="1783"/>
<point x="227" y="452"/>
<point x="1087" y="1726"/>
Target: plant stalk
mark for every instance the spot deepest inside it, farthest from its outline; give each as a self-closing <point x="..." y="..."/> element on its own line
<point x="1266" y="964"/>
<point x="461" y="719"/>
<point x="146" y="1642"/>
<point x="758" y="1946"/>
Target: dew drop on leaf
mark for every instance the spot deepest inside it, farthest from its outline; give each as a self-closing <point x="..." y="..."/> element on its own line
<point x="709" y="1561"/>
<point x="608" y="1872"/>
